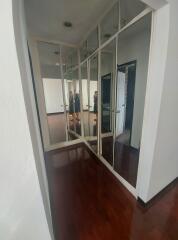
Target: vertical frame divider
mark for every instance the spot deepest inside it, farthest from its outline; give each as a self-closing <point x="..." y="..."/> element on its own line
<point x="88" y="90"/>
<point x="99" y="104"/>
<point x="63" y="90"/>
<point x="99" y="150"/>
<point x="115" y="98"/>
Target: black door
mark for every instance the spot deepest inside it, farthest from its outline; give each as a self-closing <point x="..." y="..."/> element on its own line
<point x="130" y="70"/>
<point x="106" y="103"/>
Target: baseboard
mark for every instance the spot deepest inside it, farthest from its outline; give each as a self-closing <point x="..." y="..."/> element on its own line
<point x="158" y="196"/>
<point x="55" y="113"/>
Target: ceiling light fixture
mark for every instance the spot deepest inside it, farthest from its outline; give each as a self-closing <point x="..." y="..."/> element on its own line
<point x="67" y="24"/>
<point x="56" y="52"/>
<point x="107" y="35"/>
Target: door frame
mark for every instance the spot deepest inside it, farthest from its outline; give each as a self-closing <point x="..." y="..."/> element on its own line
<point x="134" y="62"/>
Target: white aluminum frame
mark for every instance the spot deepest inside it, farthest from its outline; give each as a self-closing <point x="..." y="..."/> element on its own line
<point x="40" y="95"/>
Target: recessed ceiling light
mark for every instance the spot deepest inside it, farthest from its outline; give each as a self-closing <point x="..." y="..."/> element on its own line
<point x="107" y="35"/>
<point x="56" y="52"/>
<point x="57" y="64"/>
<point x="67" y="24"/>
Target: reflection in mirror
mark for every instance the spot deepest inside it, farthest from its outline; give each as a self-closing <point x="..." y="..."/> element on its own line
<point x="49" y="56"/>
<point x="71" y="91"/>
<point x="108" y="72"/>
<point x="92" y="42"/>
<point x="83" y="51"/>
<point x="110" y="23"/>
<point x="133" y="54"/>
<point x="129" y="9"/>
<point x="85" y="98"/>
<point x="90" y="45"/>
<point x="93" y="103"/>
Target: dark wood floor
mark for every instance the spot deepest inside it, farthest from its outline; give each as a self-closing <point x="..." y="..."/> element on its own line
<point x="126" y="160"/>
<point x="89" y="203"/>
<point x="57" y="124"/>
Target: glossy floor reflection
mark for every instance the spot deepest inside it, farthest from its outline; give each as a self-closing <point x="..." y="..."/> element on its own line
<point x="89" y="203"/>
<point x="57" y="125"/>
<point x="126" y="160"/>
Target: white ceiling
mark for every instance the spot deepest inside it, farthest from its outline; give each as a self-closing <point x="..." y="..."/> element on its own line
<point x="47" y="51"/>
<point x="45" y="18"/>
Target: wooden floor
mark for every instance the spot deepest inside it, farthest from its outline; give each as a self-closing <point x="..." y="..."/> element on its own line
<point x="89" y="203"/>
<point x="57" y="125"/>
<point x="126" y="160"/>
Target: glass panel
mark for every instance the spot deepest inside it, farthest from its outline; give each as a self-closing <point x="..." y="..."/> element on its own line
<point x="129" y="10"/>
<point x="110" y="23"/>
<point x="108" y="71"/>
<point x="93" y="103"/>
<point x="53" y="91"/>
<point x="85" y="90"/>
<point x="133" y="54"/>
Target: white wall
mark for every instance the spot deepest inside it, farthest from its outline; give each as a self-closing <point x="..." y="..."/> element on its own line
<point x="161" y="167"/>
<point x="158" y="159"/>
<point x="92" y="88"/>
<point x="22" y="214"/>
<point x="136" y="47"/>
<point x="85" y="94"/>
<point x="53" y="95"/>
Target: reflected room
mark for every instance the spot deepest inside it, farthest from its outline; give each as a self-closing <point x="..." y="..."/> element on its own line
<point x="131" y="80"/>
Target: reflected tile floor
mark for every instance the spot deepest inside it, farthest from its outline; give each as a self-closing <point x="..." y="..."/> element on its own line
<point x="89" y="203"/>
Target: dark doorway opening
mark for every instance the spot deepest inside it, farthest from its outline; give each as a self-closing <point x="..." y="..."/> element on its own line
<point x="126" y="157"/>
<point x="106" y="103"/>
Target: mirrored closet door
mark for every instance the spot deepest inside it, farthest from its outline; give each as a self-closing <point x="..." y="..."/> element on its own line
<point x="93" y="102"/>
<point x="52" y="91"/>
<point x="131" y="80"/>
<point x="108" y="73"/>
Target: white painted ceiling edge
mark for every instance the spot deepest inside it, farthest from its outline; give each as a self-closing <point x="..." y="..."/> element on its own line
<point x="155" y="4"/>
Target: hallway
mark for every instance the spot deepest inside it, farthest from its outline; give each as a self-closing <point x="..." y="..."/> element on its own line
<point x="88" y="202"/>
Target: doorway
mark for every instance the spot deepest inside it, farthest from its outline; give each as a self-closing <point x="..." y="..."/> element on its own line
<point x="125" y="101"/>
<point x="106" y="101"/>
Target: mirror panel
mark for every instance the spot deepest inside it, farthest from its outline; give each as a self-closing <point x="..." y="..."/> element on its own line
<point x="72" y="91"/>
<point x="83" y="51"/>
<point x="92" y="42"/>
<point x="133" y="56"/>
<point x="110" y="23"/>
<point x="93" y="103"/>
<point x="129" y="9"/>
<point x="49" y="57"/>
<point x="85" y="98"/>
<point x="108" y="72"/>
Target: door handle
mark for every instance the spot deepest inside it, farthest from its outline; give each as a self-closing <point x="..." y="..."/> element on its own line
<point x="118" y="111"/>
